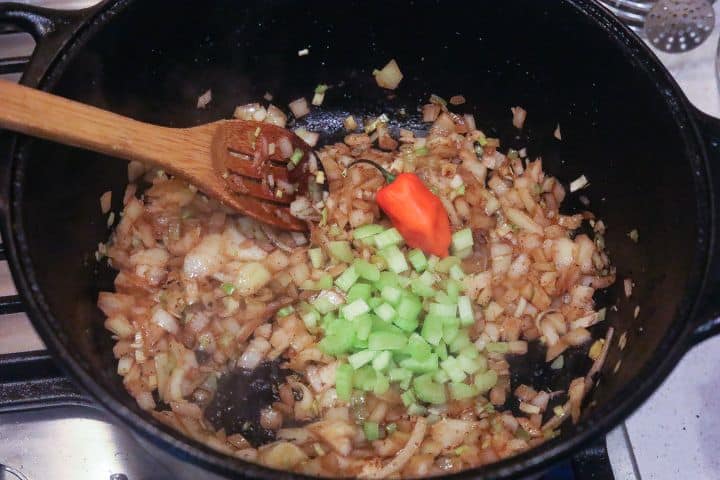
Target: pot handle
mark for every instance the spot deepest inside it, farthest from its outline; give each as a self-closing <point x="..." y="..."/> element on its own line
<point x="708" y="310"/>
<point x="50" y="29"/>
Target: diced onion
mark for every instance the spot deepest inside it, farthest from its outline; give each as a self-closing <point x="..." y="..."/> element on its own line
<point x="578" y="183"/>
<point x="285" y="146"/>
<point x="106" y="202"/>
<point x="276" y="116"/>
<point x="350" y="123"/>
<point x="204" y="99"/>
<point x="310" y="138"/>
<point x="469" y="122"/>
<point x="390" y="76"/>
<point x="519" y="115"/>
<point x="430" y="112"/>
<point x="299" y="107"/>
<point x="166" y="321"/>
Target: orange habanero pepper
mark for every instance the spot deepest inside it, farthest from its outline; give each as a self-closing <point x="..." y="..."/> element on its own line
<point x="416" y="212"/>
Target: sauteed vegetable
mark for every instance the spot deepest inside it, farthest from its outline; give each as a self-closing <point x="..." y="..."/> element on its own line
<point x="378" y="345"/>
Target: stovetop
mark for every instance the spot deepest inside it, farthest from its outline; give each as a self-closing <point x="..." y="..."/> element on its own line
<point x="48" y="431"/>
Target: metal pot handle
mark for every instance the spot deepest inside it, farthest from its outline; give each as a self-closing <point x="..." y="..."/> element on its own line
<point x="50" y="28"/>
<point x="708" y="311"/>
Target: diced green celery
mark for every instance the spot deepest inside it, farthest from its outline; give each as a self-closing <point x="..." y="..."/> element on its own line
<point x="462" y="239"/>
<point x="359" y="291"/>
<point x="382" y="360"/>
<point x="327" y="301"/>
<point x="417" y="259"/>
<point x="430" y="364"/>
<point x="364" y="378"/>
<point x="228" y="288"/>
<point x="453" y="369"/>
<point x="285" y="311"/>
<point x="464" y="253"/>
<point x="379" y="325"/>
<point x="375" y="302"/>
<point x="428" y="278"/>
<point x="325" y="282"/>
<point x="420" y="288"/>
<point x="363" y="326"/>
<point x="387" y="279"/>
<point x="367" y="231"/>
<point x="465" y="311"/>
<point x="317" y="257"/>
<point x="453" y="289"/>
<point x="404" y="282"/>
<point x="417" y="410"/>
<point x="409" y="308"/>
<point x="432" y="329"/>
<point x="406" y="324"/>
<point x="442" y="297"/>
<point x="485" y="381"/>
<point x="400" y="375"/>
<point x="385" y="311"/>
<point x="408" y="398"/>
<point x="395" y="259"/>
<point x="442" y="351"/>
<point x="371" y="430"/>
<point x="497" y="347"/>
<point x="451" y="327"/>
<point x="391" y="428"/>
<point x="344" y="381"/>
<point x="470" y="365"/>
<point x="417" y="347"/>
<point x="310" y="319"/>
<point x="432" y="262"/>
<point x="443" y="266"/>
<point x="391" y="294"/>
<point x="347" y="279"/>
<point x="296" y="156"/>
<point x="461" y="391"/>
<point x="340" y="250"/>
<point x="442" y="309"/>
<point x="389" y="237"/>
<point x="339" y="338"/>
<point x="327" y="319"/>
<point x="366" y="270"/>
<point x="456" y="273"/>
<point x="359" y="359"/>
<point x="429" y="391"/>
<point x="440" y="376"/>
<point x="469" y="351"/>
<point x="460" y="341"/>
<point x="386" y="341"/>
<point x="382" y="384"/>
<point x="359" y="344"/>
<point x="355" y="309"/>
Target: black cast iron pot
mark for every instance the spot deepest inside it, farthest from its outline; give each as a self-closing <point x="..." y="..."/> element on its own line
<point x="651" y="159"/>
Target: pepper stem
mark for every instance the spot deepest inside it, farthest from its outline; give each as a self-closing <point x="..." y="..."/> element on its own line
<point x="389" y="177"/>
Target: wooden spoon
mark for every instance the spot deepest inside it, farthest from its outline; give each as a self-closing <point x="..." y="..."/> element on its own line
<point x="229" y="160"/>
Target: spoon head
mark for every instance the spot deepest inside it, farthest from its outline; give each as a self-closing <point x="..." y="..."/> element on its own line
<point x="676" y="26"/>
<point x="261" y="169"/>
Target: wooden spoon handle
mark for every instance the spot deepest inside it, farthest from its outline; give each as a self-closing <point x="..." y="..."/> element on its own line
<point x="47" y="116"/>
